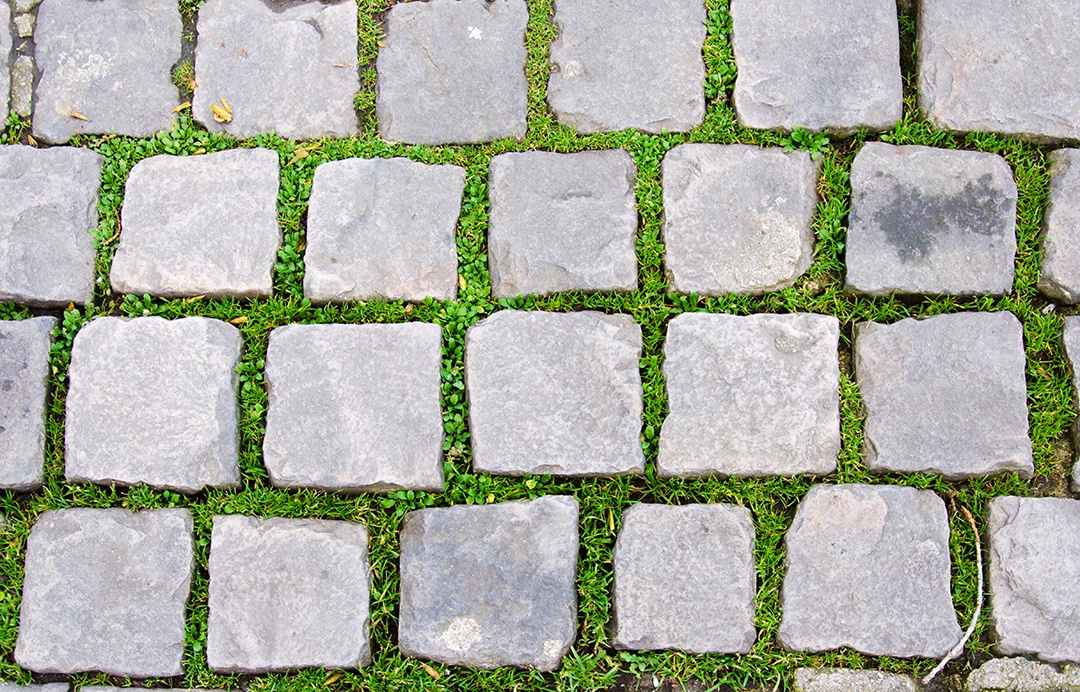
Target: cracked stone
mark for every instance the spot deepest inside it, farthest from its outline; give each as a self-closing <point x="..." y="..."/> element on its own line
<point x="1060" y="278"/>
<point x="839" y="680"/>
<point x="1022" y="675"/>
<point x="1071" y="340"/>
<point x="24" y="380"/>
<point x="22" y="85"/>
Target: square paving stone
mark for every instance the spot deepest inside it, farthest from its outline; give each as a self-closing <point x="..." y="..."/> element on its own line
<point x="819" y="64"/>
<point x="383" y="229"/>
<point x="287" y="594"/>
<point x="930" y="221"/>
<point x="751" y="395"/>
<point x="737" y="218"/>
<point x="945" y="395"/>
<point x="355" y="407"/>
<point x="105" y="590"/>
<point x="48" y="209"/>
<point x="685" y="579"/>
<point x="1071" y="340"/>
<point x="841" y="680"/>
<point x="154" y="401"/>
<point x="868" y="569"/>
<point x="490" y="586"/>
<point x="288" y="68"/>
<point x="200" y="225"/>
<point x="453" y="72"/>
<point x="105" y="66"/>
<point x="24" y="382"/>
<point x="562" y="222"/>
<point x="1060" y="277"/>
<point x="632" y="64"/>
<point x="556" y="393"/>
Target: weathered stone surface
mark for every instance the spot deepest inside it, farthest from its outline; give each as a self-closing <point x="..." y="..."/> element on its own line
<point x="383" y="228"/>
<point x="109" y="61"/>
<point x="1060" y="277"/>
<point x="287" y="594"/>
<point x="634" y="64"/>
<point x="1071" y="340"/>
<point x="817" y="64"/>
<point x="562" y="222"/>
<point x="24" y="381"/>
<point x="24" y="26"/>
<point x="49" y="687"/>
<point x="556" y="393"/>
<point x="1035" y="577"/>
<point x="490" y="586"/>
<point x="751" y="396"/>
<point x="737" y="218"/>
<point x="48" y="207"/>
<point x="453" y="72"/>
<point x="22" y="85"/>
<point x="1022" y="675"/>
<point x="200" y="225"/>
<point x="104" y="688"/>
<point x="839" y="680"/>
<point x="25" y="5"/>
<point x="868" y="568"/>
<point x="930" y="221"/>
<point x="335" y="426"/>
<point x="289" y="69"/>
<point x="104" y="590"/>
<point x="685" y="578"/>
<point x="945" y="395"/>
<point x="6" y="42"/>
<point x="153" y="401"/>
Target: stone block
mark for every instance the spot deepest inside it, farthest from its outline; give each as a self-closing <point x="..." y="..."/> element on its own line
<point x="24" y="381"/>
<point x="47" y="687"/>
<point x="1060" y="276"/>
<point x="840" y="680"/>
<point x="22" y="85"/>
<point x="1071" y="341"/>
<point x="6" y="43"/>
<point x="1021" y="675"/>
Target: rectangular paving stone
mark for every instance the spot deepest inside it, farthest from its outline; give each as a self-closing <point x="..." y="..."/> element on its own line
<point x="928" y="221"/>
<point x="1060" y="275"/>
<point x="737" y="218"/>
<point x="753" y="395"/>
<point x="562" y="222"/>
<point x="284" y="68"/>
<point x="24" y="381"/>
<point x="945" y="395"/>
<point x="629" y="65"/>
<point x="105" y="688"/>
<point x="48" y="687"/>
<point x="48" y="210"/>
<point x="556" y="393"/>
<point x="153" y="401"/>
<point x="453" y="72"/>
<point x="818" y="64"/>
<point x="1021" y="675"/>
<point x="490" y="585"/>
<point x="1071" y="341"/>
<point x="355" y="407"/>
<point x="105" y="590"/>
<point x="702" y="599"/>
<point x="105" y="66"/>
<point x="287" y="594"/>
<point x="868" y="569"/>
<point x="841" y="680"/>
<point x="383" y="229"/>
<point x="6" y="42"/>
<point x="200" y="225"/>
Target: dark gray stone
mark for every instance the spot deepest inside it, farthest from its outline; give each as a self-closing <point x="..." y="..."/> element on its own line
<point x="945" y="395"/>
<point x="839" y="680"/>
<point x="287" y="594"/>
<point x="24" y="381"/>
<point x="1060" y="277"/>
<point x="200" y="225"/>
<point x="104" y="590"/>
<point x="22" y="85"/>
<point x="868" y="568"/>
<point x="108" y="61"/>
<point x="453" y="72"/>
<point x="490" y="586"/>
<point x="154" y="401"/>
<point x="1071" y="341"/>
<point x="562" y="222"/>
<point x="383" y="229"/>
<point x="556" y="393"/>
<point x="1022" y="675"/>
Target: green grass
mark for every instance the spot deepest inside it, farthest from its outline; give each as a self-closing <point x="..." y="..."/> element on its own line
<point x="592" y="663"/>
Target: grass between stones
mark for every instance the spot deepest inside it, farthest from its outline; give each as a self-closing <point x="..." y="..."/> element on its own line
<point x="592" y="664"/>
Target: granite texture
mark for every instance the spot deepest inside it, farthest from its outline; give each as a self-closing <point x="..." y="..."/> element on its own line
<point x="1071" y="341"/>
<point x="24" y="382"/>
<point x="840" y="680"/>
<point x="1021" y="675"/>
<point x="1060" y="275"/>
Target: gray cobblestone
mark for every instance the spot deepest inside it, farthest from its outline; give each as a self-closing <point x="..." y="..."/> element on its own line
<point x="24" y="380"/>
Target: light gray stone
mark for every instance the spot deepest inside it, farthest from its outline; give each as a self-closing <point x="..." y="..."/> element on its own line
<point x="6" y="42"/>
<point x="839" y="680"/>
<point x="48" y="687"/>
<point x="490" y="586"/>
<point x="287" y="594"/>
<point x="24" y="25"/>
<point x="453" y="72"/>
<point x="1060" y="276"/>
<point x="1071" y="341"/>
<point x="24" y="381"/>
<point x="868" y="569"/>
<point x="200" y="225"/>
<point x="633" y="64"/>
<point x="737" y="218"/>
<point x="108" y="61"/>
<point x="753" y="395"/>
<point x="383" y="229"/>
<point x="685" y="578"/>
<point x="48" y="208"/>
<point x="945" y="395"/>
<point x="104" y="590"/>
<point x="355" y="407"/>
<point x="556" y="393"/>
<point x="25" y="5"/>
<point x="819" y="64"/>
<point x="22" y="85"/>
<point x="154" y="401"/>
<point x="562" y="222"/>
<point x="287" y="69"/>
<point x="1022" y="675"/>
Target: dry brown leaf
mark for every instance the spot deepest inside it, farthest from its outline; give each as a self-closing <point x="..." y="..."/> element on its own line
<point x="220" y="113"/>
<point x="300" y="154"/>
<point x="71" y="306"/>
<point x="192" y="299"/>
<point x="430" y="671"/>
<point x="343" y="64"/>
<point x="461" y="281"/>
<point x="72" y="113"/>
<point x="382" y="44"/>
<point x="182" y="106"/>
<point x="225" y="102"/>
<point x="334" y="678"/>
<point x="192" y="84"/>
<point x="31" y="140"/>
<point x="238" y="320"/>
<point x="198" y="151"/>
